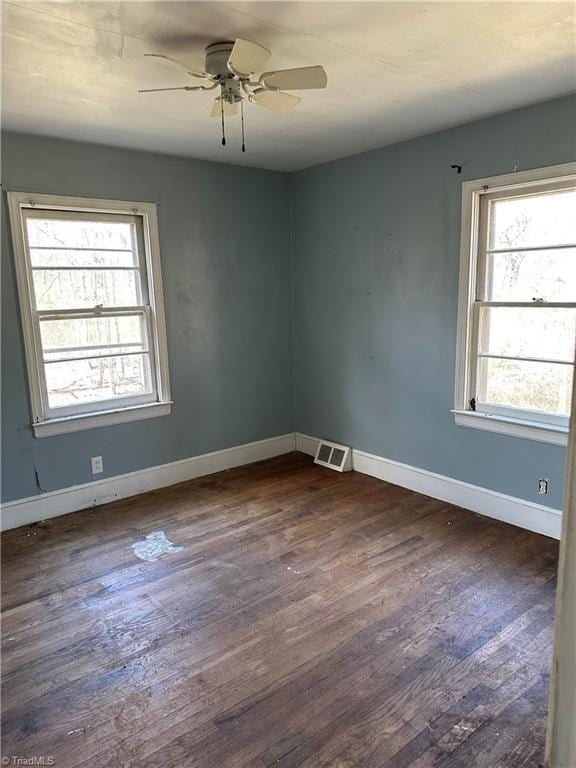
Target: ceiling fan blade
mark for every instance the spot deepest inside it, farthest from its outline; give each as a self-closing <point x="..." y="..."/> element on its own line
<point x="247" y="58"/>
<point x="153" y="90"/>
<point x="275" y="101"/>
<point x="185" y="67"/>
<point x="295" y="79"/>
<point x="229" y="109"/>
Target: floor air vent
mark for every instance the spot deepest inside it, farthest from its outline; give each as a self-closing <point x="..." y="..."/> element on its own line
<point x="334" y="456"/>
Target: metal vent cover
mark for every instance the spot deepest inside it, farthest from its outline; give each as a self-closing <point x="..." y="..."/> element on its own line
<point x="334" y="456"/>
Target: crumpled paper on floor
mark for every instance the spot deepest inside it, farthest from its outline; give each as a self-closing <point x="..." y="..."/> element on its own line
<point x="154" y="545"/>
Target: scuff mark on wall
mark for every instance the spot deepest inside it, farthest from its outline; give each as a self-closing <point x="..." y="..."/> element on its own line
<point x="37" y="480"/>
<point x="36" y="465"/>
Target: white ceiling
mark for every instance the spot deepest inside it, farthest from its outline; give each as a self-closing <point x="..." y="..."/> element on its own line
<point x="395" y="70"/>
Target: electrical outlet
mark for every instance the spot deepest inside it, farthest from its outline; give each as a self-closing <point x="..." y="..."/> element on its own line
<point x="97" y="465"/>
<point x="542" y="486"/>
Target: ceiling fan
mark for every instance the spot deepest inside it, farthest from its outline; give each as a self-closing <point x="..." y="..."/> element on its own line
<point x="232" y="67"/>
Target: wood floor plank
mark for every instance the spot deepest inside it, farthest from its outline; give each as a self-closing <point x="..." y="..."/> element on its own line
<point x="312" y="619"/>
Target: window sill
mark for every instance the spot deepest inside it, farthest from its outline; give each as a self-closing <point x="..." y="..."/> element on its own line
<point x="104" y="419"/>
<point x="531" y="430"/>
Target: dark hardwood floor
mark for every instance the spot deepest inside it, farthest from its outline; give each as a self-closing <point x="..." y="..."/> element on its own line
<point x="312" y="619"/>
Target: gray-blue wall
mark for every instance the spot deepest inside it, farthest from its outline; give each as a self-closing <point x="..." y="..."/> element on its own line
<point x="365" y="352"/>
<point x="227" y="295"/>
<point x="375" y="242"/>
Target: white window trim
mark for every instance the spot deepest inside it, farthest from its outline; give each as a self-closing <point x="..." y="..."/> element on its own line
<point x="116" y="415"/>
<point x="471" y="194"/>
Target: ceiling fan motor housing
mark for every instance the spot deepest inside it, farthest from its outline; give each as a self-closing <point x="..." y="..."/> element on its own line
<point x="217" y="56"/>
<point x="216" y="64"/>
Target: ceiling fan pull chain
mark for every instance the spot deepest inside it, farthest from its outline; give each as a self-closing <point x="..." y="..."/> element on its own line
<point x="222" y="116"/>
<point x="242" y="116"/>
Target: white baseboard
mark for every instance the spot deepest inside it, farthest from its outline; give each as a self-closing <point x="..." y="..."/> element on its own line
<point x="510" y="509"/>
<point x="55" y="503"/>
<point x="306" y="444"/>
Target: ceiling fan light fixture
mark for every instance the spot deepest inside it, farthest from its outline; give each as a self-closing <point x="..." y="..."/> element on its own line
<point x="230" y="108"/>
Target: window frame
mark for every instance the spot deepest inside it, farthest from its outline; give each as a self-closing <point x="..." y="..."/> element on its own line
<point x="44" y="422"/>
<point x="505" y="420"/>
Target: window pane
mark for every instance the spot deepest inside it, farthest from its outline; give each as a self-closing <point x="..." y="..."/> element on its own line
<point x="60" y="233"/>
<point x="526" y="275"/>
<point x="528" y="332"/>
<point x="85" y="381"/>
<point x="92" y="336"/>
<point x="532" y="386"/>
<point x="533" y="220"/>
<point x="47" y="257"/>
<point x="79" y="288"/>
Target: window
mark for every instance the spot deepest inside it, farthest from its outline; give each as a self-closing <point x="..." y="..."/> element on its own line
<point x="517" y="309"/>
<point x="92" y="314"/>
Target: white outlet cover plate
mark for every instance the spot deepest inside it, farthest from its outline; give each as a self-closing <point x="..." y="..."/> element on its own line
<point x="97" y="465"/>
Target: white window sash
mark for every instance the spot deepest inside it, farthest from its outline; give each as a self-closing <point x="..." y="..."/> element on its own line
<point x="100" y="405"/>
<point x="46" y="420"/>
<point x="472" y="297"/>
